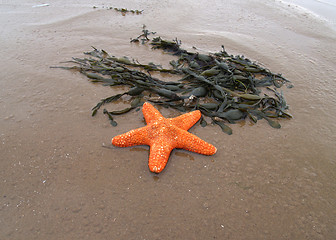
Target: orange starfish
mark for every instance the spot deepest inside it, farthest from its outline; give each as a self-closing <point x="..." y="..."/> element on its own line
<point x="163" y="135"/>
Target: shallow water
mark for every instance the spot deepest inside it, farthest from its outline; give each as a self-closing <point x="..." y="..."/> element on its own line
<point x="58" y="182"/>
<point x="323" y="10"/>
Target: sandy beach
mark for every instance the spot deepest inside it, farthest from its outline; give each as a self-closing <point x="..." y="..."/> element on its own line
<point x="57" y="181"/>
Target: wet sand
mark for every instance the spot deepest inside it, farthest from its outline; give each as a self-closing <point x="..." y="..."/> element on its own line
<point x="58" y="182"/>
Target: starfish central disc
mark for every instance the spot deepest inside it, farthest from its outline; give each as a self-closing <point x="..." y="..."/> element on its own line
<point x="163" y="135"/>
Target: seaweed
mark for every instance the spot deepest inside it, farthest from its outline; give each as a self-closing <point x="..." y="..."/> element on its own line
<point x="123" y="11"/>
<point x="225" y="88"/>
<point x="144" y="37"/>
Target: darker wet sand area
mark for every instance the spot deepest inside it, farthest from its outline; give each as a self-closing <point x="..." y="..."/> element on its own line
<point x="58" y="182"/>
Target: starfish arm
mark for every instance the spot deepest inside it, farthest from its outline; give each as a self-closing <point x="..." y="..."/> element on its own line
<point x="186" y="120"/>
<point x="134" y="137"/>
<point x="158" y="156"/>
<point x="193" y="143"/>
<point x="150" y="113"/>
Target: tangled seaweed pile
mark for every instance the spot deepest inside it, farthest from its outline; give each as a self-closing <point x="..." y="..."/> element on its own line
<point x="223" y="87"/>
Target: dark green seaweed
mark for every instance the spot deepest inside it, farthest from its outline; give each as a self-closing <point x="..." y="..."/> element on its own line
<point x="223" y="87"/>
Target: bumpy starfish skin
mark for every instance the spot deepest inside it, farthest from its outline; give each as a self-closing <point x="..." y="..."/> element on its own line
<point x="163" y="135"/>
